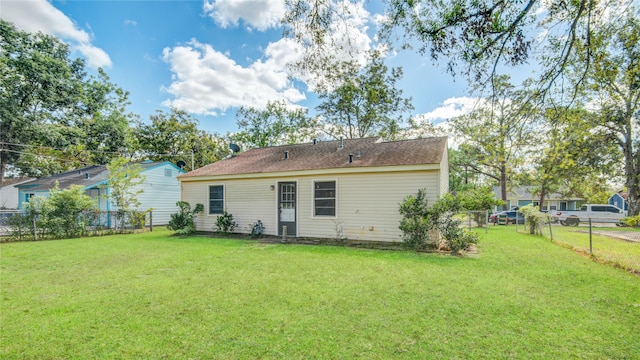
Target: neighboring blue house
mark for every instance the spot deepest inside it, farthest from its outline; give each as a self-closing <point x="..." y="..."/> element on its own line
<point x="619" y="199"/>
<point x="161" y="188"/>
<point x="525" y="195"/>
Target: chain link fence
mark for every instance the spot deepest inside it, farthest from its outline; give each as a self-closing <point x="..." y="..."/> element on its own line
<point x="474" y="219"/>
<point x="19" y="226"/>
<point x="605" y="240"/>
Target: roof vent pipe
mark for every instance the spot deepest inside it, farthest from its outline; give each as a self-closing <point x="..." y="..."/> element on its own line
<point x="341" y="146"/>
<point x="315" y="141"/>
<point x="86" y="175"/>
<point x="286" y="154"/>
<point x="350" y="158"/>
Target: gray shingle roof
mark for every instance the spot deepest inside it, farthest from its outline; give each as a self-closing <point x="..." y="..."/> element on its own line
<point x="86" y="176"/>
<point x="367" y="152"/>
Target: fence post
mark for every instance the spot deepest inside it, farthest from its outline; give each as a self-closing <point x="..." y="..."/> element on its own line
<point x="590" y="238"/>
<point x="151" y="221"/>
<point x="284" y="233"/>
<point x="486" y="221"/>
<point x="35" y="230"/>
<point x="550" y="231"/>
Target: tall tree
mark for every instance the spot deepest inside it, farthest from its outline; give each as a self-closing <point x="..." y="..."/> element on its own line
<point x="461" y="174"/>
<point x="277" y="124"/>
<point x="496" y="135"/>
<point x="569" y="150"/>
<point x="103" y="120"/>
<point x="367" y="103"/>
<point x="614" y="82"/>
<point x="52" y="115"/>
<point x="175" y="136"/>
<point x="38" y="84"/>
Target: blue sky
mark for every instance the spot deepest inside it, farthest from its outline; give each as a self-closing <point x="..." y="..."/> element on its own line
<point x="211" y="57"/>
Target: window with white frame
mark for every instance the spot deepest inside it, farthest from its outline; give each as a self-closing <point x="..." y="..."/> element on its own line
<point x="216" y="199"/>
<point x="324" y="198"/>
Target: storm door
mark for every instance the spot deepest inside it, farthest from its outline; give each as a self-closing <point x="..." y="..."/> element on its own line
<point x="287" y="207"/>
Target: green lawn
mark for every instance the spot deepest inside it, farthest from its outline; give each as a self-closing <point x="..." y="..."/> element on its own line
<point x="153" y="296"/>
<point x="604" y="248"/>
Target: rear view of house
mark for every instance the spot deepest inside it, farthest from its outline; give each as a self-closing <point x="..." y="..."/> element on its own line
<point x="332" y="189"/>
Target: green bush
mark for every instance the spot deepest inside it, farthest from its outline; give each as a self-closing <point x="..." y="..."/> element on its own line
<point x="183" y="222"/>
<point x="65" y="213"/>
<point x="225" y="223"/>
<point x="475" y="199"/>
<point x="138" y="219"/>
<point x="415" y="224"/>
<point x="632" y="221"/>
<point x="534" y="218"/>
<point x="456" y="237"/>
<point x="21" y="226"/>
<point x="421" y="225"/>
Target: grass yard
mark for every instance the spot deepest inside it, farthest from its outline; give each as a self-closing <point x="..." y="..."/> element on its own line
<point x="154" y="296"/>
<point x="606" y="248"/>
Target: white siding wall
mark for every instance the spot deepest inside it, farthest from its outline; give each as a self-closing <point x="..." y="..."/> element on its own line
<point x="160" y="193"/>
<point x="247" y="200"/>
<point x="367" y="203"/>
<point x="444" y="173"/>
<point x="9" y="197"/>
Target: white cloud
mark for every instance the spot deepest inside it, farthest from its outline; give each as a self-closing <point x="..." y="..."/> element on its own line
<point x="206" y="81"/>
<point x="258" y="14"/>
<point x="450" y="108"/>
<point x="39" y="15"/>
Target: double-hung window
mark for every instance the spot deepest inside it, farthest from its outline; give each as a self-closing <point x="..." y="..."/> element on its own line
<point x="324" y="198"/>
<point x="216" y="199"/>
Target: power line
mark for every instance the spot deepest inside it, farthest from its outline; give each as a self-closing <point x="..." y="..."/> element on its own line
<point x="43" y="155"/>
<point x="86" y="150"/>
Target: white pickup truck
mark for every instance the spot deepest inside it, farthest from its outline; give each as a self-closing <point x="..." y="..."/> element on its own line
<point x="603" y="213"/>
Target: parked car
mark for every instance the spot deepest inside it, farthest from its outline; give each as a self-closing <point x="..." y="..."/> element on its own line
<point x="597" y="212"/>
<point x="513" y="216"/>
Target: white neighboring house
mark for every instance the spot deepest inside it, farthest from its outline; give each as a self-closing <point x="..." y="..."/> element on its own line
<point x="161" y="188"/>
<point x="9" y="193"/>
<point x="349" y="189"/>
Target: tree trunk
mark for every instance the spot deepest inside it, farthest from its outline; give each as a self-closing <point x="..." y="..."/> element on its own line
<point x="543" y="194"/>
<point x="632" y="174"/>
<point x="503" y="186"/>
<point x="633" y="185"/>
<point x="3" y="166"/>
